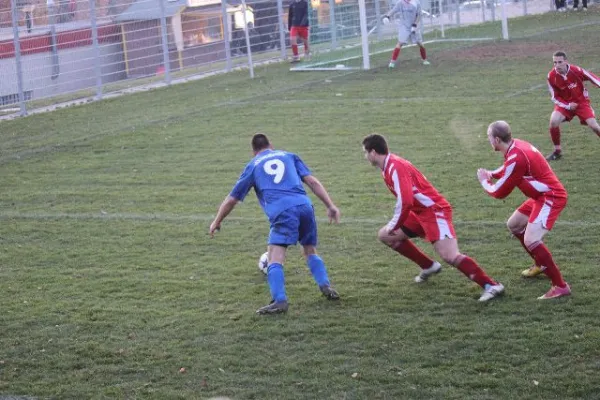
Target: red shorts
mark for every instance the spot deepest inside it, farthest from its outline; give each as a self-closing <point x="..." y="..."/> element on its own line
<point x="583" y="111"/>
<point x="300" y="31"/>
<point x="430" y="225"/>
<point x="545" y="210"/>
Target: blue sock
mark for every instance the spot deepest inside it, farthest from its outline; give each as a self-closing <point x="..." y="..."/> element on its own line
<point x="318" y="270"/>
<point x="276" y="281"/>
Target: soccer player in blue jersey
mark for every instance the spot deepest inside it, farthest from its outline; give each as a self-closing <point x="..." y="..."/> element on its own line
<point x="277" y="177"/>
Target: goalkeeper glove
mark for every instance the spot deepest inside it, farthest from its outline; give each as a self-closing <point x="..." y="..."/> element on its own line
<point x="413" y="28"/>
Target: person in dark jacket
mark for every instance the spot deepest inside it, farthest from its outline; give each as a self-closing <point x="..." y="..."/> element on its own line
<point x="298" y="26"/>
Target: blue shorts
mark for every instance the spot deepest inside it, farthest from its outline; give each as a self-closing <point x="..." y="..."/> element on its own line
<point x="296" y="224"/>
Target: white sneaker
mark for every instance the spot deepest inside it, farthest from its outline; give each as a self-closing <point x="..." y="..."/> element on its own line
<point x="425" y="62"/>
<point x="492" y="291"/>
<point x="436" y="268"/>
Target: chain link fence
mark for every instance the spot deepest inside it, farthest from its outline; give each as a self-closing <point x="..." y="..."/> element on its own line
<point x="53" y="51"/>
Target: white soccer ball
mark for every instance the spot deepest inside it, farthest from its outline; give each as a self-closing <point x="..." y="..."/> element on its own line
<point x="263" y="263"/>
<point x="385" y="21"/>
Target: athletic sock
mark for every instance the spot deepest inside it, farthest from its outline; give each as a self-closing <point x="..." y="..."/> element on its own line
<point x="276" y="280"/>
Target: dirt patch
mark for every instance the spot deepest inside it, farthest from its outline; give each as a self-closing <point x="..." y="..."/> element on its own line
<point x="503" y="51"/>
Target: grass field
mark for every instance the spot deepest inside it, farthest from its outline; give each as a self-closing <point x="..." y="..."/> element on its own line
<point x="109" y="283"/>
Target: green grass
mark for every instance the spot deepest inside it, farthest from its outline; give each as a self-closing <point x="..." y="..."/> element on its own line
<point x="109" y="283"/>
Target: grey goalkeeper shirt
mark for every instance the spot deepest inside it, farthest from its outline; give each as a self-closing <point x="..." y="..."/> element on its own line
<point x="408" y="11"/>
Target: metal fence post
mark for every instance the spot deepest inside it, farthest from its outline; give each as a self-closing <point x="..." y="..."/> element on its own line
<point x="332" y="24"/>
<point x="247" y="34"/>
<point x="483" y="11"/>
<point x="504" y="20"/>
<point x="97" y="60"/>
<point x="17" y="44"/>
<point x="524" y="7"/>
<point x="378" y="16"/>
<point x="226" y="34"/>
<point x="165" y="44"/>
<point x="443" y="31"/>
<point x="281" y="29"/>
<point x="54" y="50"/>
<point x="457" y="13"/>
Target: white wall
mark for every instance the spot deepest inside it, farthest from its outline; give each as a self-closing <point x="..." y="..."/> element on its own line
<point x="76" y="70"/>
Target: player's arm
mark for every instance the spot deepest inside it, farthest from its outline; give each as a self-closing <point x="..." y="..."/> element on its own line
<point x="238" y="193"/>
<point x="418" y="18"/>
<point x="588" y="76"/>
<point x="514" y="169"/>
<point x="394" y="10"/>
<point x="498" y="172"/>
<point x="404" y="201"/>
<point x="556" y="99"/>
<point x="319" y="190"/>
<point x="224" y="210"/>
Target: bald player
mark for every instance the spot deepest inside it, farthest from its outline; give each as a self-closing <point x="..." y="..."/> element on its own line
<point x="526" y="168"/>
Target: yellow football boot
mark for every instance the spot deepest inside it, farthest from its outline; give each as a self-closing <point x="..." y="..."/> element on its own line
<point x="531" y="272"/>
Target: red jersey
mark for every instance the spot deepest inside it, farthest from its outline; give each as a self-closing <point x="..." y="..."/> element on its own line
<point x="569" y="88"/>
<point x="412" y="190"/>
<point x="526" y="168"/>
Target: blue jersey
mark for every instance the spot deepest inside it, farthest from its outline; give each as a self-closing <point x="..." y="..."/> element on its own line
<point x="276" y="177"/>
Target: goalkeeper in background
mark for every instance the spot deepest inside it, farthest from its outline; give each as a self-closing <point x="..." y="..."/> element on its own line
<point x="408" y="28"/>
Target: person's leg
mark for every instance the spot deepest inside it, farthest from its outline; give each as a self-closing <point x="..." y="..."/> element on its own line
<point x="449" y="252"/>
<point x="305" y="38"/>
<point x="556" y="118"/>
<point x="308" y="238"/>
<point x="294" y="43"/>
<point x="594" y="126"/>
<point x="534" y="234"/>
<point x="400" y="242"/>
<point x="543" y="216"/>
<point x="403" y="35"/>
<point x="516" y="225"/>
<point x="283" y="233"/>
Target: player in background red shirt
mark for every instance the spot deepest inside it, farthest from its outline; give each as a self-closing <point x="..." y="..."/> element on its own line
<point x="525" y="168"/>
<point x="298" y="26"/>
<point x="421" y="211"/>
<point x="570" y="98"/>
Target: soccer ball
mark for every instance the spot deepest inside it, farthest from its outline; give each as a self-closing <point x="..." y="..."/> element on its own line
<point x="385" y="21"/>
<point x="263" y="263"/>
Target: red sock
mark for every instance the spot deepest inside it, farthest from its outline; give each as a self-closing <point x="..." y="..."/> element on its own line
<point x="521" y="237"/>
<point x="423" y="52"/>
<point x="543" y="257"/>
<point x="395" y="54"/>
<point x="555" y="136"/>
<point x="413" y="253"/>
<point x="469" y="267"/>
<point x="295" y="50"/>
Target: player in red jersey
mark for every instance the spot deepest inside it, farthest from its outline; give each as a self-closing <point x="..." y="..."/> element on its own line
<point x="570" y="98"/>
<point x="525" y="168"/>
<point x="421" y="211"/>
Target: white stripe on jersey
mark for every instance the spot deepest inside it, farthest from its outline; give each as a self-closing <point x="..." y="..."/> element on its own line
<point x="591" y="77"/>
<point x="444" y="229"/>
<point x="398" y="209"/>
<point x="554" y="100"/>
<point x="537" y="185"/>
<point x="424" y="200"/>
<point x="494" y="188"/>
<point x="544" y="214"/>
